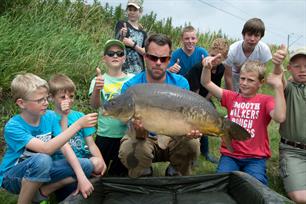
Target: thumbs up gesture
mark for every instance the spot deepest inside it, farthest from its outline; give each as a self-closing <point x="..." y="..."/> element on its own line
<point x="176" y="67"/>
<point x="123" y="30"/>
<point x="99" y="80"/>
<point x="279" y="56"/>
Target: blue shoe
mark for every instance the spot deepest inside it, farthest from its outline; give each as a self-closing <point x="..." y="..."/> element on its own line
<point x="170" y="171"/>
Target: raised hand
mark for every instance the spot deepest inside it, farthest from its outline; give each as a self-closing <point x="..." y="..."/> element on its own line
<point x="99" y="80"/>
<point x="176" y="67"/>
<point x="65" y="106"/>
<point x="280" y="55"/>
<point x="209" y="62"/>
<point x="124" y="30"/>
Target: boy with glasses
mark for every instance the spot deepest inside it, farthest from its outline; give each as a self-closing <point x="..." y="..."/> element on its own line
<point x="103" y="88"/>
<point x="292" y="148"/>
<point x="27" y="168"/>
<point x="139" y="152"/>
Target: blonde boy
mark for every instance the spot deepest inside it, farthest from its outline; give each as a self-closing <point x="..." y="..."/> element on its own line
<point x="27" y="167"/>
<point x="252" y="111"/>
<point x="62" y="92"/>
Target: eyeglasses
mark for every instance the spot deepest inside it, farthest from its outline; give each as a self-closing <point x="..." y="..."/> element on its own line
<point x="298" y="66"/>
<point x="40" y="100"/>
<point x="113" y="53"/>
<point x="155" y="58"/>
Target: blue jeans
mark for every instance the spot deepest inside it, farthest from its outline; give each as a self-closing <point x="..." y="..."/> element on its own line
<point x="252" y="166"/>
<point x="41" y="168"/>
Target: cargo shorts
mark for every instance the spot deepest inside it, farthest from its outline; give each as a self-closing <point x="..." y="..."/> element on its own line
<point x="292" y="167"/>
<point x="139" y="154"/>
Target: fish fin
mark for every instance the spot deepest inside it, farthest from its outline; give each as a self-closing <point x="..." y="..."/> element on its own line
<point x="227" y="140"/>
<point x="163" y="141"/>
<point x="235" y="131"/>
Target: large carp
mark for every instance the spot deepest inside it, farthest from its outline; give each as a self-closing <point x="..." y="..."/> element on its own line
<point x="169" y="110"/>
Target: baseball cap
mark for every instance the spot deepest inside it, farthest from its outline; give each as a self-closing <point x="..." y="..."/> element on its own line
<point x="113" y="42"/>
<point x="298" y="51"/>
<point x="136" y="3"/>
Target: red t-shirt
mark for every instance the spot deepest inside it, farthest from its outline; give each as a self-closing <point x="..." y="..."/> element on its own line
<point x="253" y="114"/>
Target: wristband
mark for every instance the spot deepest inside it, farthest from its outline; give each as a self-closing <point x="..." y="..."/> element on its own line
<point x="135" y="43"/>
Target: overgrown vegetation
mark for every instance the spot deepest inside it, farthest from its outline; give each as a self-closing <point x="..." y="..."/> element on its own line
<point x="47" y="37"/>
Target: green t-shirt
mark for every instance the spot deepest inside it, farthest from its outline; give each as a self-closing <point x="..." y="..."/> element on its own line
<point x="294" y="128"/>
<point x="107" y="126"/>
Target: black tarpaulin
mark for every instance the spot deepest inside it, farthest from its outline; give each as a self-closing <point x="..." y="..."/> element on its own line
<point x="234" y="187"/>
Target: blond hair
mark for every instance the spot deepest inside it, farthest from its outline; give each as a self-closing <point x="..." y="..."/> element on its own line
<point x="23" y="85"/>
<point x="187" y="29"/>
<point x="219" y="45"/>
<point x="254" y="66"/>
<point x="59" y="83"/>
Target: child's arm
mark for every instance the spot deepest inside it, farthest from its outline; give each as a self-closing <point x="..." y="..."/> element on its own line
<point x="52" y="145"/>
<point x="97" y="158"/>
<point x="228" y="77"/>
<point x="95" y="99"/>
<point x="278" y="59"/>
<point x="208" y="63"/>
<point x="84" y="185"/>
<point x="278" y="114"/>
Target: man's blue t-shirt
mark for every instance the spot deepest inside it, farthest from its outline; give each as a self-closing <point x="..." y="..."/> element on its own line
<point x="77" y="142"/>
<point x="186" y="62"/>
<point x="18" y="133"/>
<point x="171" y="78"/>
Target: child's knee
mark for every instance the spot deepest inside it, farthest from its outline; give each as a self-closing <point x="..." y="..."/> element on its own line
<point x="87" y="166"/>
<point x="42" y="162"/>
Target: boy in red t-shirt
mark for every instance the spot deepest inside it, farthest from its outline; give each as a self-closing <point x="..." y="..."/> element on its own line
<point x="251" y="110"/>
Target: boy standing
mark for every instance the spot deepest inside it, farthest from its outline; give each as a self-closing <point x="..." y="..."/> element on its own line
<point x="103" y="88"/>
<point x="184" y="58"/>
<point x="292" y="149"/>
<point x="27" y="167"/>
<point x="133" y="36"/>
<point x="250" y="48"/>
<point x="62" y="91"/>
<point x="253" y="112"/>
<point x="219" y="45"/>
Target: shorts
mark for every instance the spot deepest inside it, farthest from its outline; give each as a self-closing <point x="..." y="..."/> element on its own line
<point x="292" y="167"/>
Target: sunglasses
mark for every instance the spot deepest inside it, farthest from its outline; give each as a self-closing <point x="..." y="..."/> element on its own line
<point x="113" y="53"/>
<point x="155" y="58"/>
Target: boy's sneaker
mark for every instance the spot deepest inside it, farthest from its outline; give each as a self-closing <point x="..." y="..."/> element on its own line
<point x="147" y="172"/>
<point x="39" y="198"/>
<point x="171" y="171"/>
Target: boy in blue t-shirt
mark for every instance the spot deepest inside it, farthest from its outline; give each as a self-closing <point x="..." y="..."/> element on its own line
<point x="62" y="92"/>
<point x="27" y="168"/>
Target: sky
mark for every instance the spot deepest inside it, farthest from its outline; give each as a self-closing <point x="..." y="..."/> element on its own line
<point x="285" y="20"/>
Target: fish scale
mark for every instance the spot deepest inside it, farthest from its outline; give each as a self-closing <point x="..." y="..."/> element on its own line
<point x="169" y="110"/>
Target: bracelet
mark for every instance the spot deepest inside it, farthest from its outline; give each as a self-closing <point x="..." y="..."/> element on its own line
<point x="135" y="43"/>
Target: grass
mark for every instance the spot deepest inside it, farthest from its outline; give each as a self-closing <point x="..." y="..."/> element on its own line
<point x="47" y="37"/>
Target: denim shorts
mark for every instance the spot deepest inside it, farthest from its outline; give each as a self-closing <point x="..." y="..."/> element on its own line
<point x="252" y="166"/>
<point x="41" y="168"/>
<point x="292" y="166"/>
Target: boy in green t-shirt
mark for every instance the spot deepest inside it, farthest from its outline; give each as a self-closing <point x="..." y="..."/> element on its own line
<point x="103" y="88"/>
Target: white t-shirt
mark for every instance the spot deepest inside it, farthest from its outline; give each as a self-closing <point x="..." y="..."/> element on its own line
<point x="236" y="58"/>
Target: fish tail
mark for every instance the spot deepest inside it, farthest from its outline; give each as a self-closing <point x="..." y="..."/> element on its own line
<point x="235" y="131"/>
